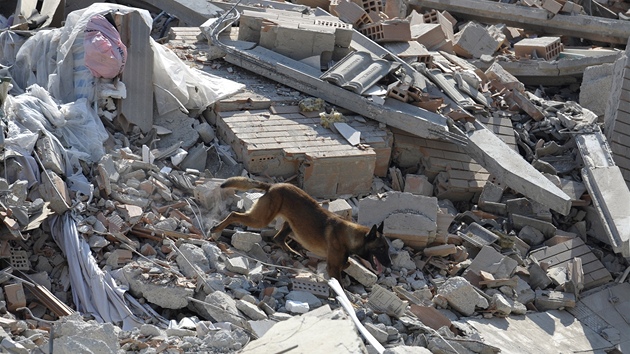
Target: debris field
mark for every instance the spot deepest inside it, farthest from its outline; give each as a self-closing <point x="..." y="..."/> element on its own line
<point x="491" y="140"/>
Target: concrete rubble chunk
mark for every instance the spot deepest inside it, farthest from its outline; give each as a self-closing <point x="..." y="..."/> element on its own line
<point x="244" y="241"/>
<point x="412" y="218"/>
<point x="76" y="335"/>
<point x="166" y="294"/>
<point x="553" y="300"/>
<point x="223" y="308"/>
<point x="251" y="310"/>
<point x="334" y="332"/>
<point x="379" y="333"/>
<point x="238" y="265"/>
<point x="462" y="296"/>
<point x="473" y="40"/>
<point x="192" y="261"/>
<point x="296" y="306"/>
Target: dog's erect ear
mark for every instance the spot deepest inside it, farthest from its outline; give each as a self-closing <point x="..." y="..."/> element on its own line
<point x="380" y="227"/>
<point x="373" y="234"/>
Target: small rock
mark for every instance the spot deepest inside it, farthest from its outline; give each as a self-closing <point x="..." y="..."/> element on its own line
<point x="378" y="331"/>
<point x="296" y="306"/>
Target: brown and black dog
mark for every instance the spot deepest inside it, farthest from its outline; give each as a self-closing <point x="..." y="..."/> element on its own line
<point x="318" y="230"/>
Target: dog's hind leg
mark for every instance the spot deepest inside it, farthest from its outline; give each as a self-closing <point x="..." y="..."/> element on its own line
<point x="259" y="216"/>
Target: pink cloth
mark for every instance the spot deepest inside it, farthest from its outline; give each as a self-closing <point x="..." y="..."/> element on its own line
<point x="105" y="53"/>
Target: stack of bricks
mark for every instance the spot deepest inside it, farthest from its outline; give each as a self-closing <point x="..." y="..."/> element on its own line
<point x="297" y="37"/>
<point x="454" y="174"/>
<point x="285" y="143"/>
<point x="547" y="48"/>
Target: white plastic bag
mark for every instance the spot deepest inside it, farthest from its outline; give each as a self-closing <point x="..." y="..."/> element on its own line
<point x="105" y="53"/>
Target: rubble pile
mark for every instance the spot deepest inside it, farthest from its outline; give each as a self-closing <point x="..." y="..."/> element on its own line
<point x="504" y="205"/>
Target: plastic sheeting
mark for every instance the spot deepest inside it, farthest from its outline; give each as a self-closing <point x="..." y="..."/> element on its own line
<point x="94" y="291"/>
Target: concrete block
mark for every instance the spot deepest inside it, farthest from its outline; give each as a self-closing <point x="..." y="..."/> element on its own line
<point x="223" y="308"/>
<point x="361" y="274"/>
<point x="553" y="300"/>
<point x="547" y="48"/>
<point x="351" y="12"/>
<point x="386" y="301"/>
<point x="431" y="35"/>
<point x="511" y="169"/>
<point x="296" y="306"/>
<point x="50" y="155"/>
<point x="340" y="207"/>
<point x="552" y="6"/>
<point x="303" y="296"/>
<point x="500" y="305"/>
<point x="608" y="190"/>
<point x="440" y="251"/>
<point x="329" y="177"/>
<point x="402" y="259"/>
<point x="473" y="41"/>
<point x="15" y="297"/>
<point x="406" y="216"/>
<point x="491" y="192"/>
<point x="388" y="31"/>
<point x="297" y="43"/>
<point x="462" y="296"/>
<point x="395" y="8"/>
<point x="53" y="189"/>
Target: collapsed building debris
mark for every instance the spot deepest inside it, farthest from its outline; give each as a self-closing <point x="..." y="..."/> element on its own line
<point x="506" y="212"/>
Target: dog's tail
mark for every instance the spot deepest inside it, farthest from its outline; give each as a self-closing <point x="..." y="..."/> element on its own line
<point x="244" y="183"/>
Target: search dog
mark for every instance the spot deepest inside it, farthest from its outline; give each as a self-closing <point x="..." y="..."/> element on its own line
<point x="318" y="230"/>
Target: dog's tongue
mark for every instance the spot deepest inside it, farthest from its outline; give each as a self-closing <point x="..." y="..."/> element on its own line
<point x="379" y="267"/>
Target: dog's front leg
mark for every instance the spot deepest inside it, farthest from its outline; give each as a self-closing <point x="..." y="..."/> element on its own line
<point x="281" y="238"/>
<point x="223" y="224"/>
<point x="335" y="263"/>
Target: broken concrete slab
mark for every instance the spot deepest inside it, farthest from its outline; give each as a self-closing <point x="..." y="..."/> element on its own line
<point x="602" y="310"/>
<point x="512" y="170"/>
<point x="559" y="328"/>
<point x="607" y="188"/>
